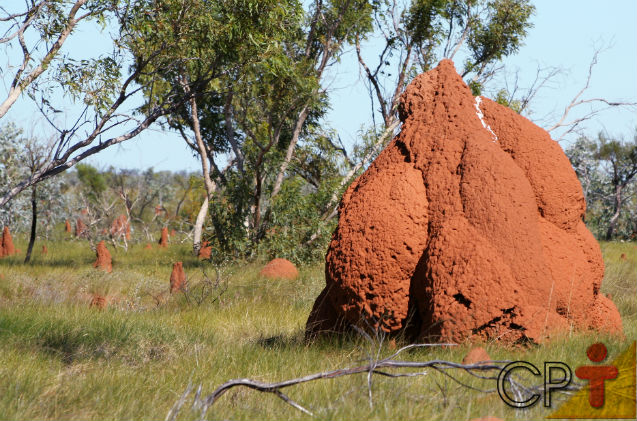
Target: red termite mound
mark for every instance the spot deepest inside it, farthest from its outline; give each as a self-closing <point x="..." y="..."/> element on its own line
<point x="177" y="277"/>
<point x="120" y="227"/>
<point x="98" y="301"/>
<point x="163" y="240"/>
<point x="476" y="355"/>
<point x="468" y="225"/>
<point x="148" y="247"/>
<point x="205" y="251"/>
<point x="104" y="260"/>
<point x="7" y="248"/>
<point x="279" y="269"/>
<point x="67" y="226"/>
<point x="81" y="230"/>
<point x="45" y="250"/>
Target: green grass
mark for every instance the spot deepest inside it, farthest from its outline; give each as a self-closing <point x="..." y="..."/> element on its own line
<point x="60" y="359"/>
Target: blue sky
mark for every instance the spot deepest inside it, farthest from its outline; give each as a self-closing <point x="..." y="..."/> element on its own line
<point x="565" y="35"/>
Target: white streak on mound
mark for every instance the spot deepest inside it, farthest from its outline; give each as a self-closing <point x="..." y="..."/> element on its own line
<point x="481" y="117"/>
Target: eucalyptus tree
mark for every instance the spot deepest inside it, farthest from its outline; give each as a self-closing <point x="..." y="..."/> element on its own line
<point x="278" y="103"/>
<point x="99" y="94"/>
<point x="252" y="74"/>
<point x="607" y="169"/>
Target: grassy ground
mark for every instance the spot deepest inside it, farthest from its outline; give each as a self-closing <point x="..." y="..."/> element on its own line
<point x="60" y="359"/>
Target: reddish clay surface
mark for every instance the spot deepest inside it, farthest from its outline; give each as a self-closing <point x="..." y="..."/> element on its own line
<point x="45" y="250"/>
<point x="7" y="248"/>
<point x="163" y="240"/>
<point x="104" y="260"/>
<point x="120" y="227"/>
<point x="476" y="355"/>
<point x="177" y="278"/>
<point x="98" y="301"/>
<point x="279" y="269"/>
<point x="81" y="230"/>
<point x="468" y="225"/>
<point x="205" y="251"/>
<point x="67" y="226"/>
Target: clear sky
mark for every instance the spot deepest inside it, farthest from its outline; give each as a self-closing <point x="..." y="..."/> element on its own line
<point x="565" y="35"/>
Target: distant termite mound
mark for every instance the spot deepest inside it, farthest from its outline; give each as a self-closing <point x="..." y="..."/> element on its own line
<point x="104" y="260"/>
<point x="67" y="227"/>
<point x="45" y="250"/>
<point x="81" y="230"/>
<point x="476" y="355"/>
<point x="163" y="240"/>
<point x="98" y="301"/>
<point x="467" y="226"/>
<point x="120" y="227"/>
<point x="7" y="248"/>
<point x="279" y="269"/>
<point x="177" y="278"/>
<point x="205" y="251"/>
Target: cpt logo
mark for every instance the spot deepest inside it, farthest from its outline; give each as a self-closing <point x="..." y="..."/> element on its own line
<point x="609" y="391"/>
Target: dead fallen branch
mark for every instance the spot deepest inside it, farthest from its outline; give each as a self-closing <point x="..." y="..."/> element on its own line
<point x="388" y="367"/>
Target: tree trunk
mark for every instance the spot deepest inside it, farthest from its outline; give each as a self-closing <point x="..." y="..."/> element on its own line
<point x="290" y="151"/>
<point x="618" y="206"/>
<point x="201" y="217"/>
<point x="34" y="222"/>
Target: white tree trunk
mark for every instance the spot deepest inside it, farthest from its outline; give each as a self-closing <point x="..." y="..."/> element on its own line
<point x="201" y="217"/>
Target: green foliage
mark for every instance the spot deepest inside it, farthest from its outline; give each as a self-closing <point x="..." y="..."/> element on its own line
<point x="93" y="181"/>
<point x="501" y="33"/>
<point x="79" y="81"/>
<point x="502" y="98"/>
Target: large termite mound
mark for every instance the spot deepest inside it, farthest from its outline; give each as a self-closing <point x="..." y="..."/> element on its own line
<point x="6" y="245"/>
<point x="467" y="226"/>
<point x="104" y="260"/>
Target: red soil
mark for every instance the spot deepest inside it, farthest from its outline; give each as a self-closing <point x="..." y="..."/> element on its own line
<point x="6" y="247"/>
<point x="279" y="269"/>
<point x="468" y="225"/>
<point x="177" y="278"/>
<point x="163" y="241"/>
<point x="104" y="260"/>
